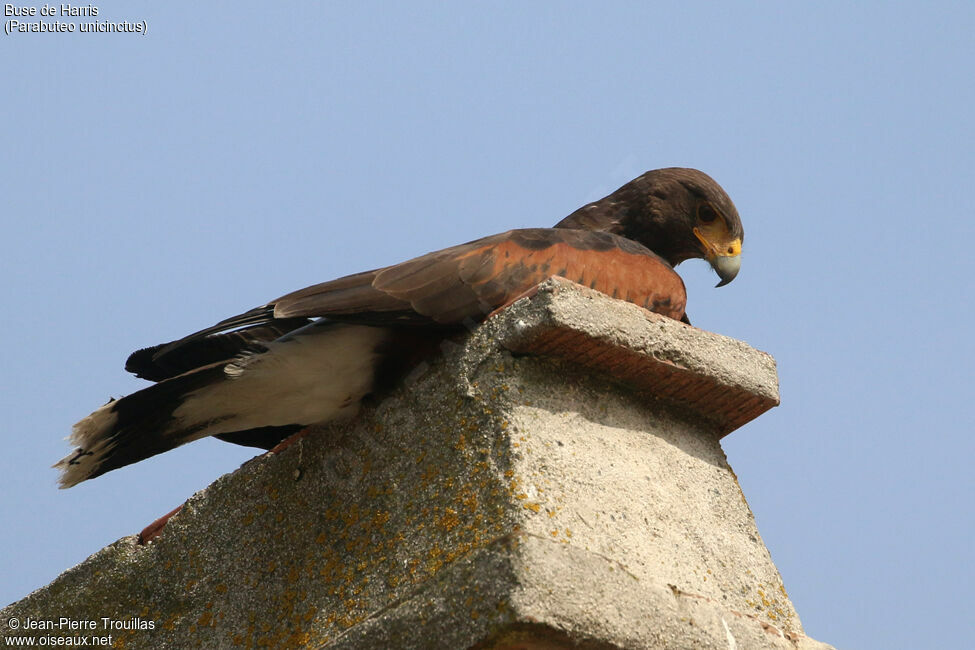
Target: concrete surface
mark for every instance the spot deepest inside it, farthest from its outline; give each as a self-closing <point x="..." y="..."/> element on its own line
<point x="555" y="480"/>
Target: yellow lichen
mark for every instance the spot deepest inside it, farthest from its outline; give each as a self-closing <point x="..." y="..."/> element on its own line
<point x="449" y="519"/>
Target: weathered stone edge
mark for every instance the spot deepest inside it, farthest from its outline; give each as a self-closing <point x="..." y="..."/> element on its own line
<point x="523" y="587"/>
<point x="721" y="379"/>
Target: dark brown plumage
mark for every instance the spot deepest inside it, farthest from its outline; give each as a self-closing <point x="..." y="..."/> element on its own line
<point x="661" y="209"/>
<point x="244" y="379"/>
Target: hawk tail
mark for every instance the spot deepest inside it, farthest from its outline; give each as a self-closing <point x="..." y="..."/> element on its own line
<point x="133" y="428"/>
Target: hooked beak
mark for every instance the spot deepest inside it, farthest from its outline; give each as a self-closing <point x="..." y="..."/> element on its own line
<point x="726" y="266"/>
<point x="722" y="253"/>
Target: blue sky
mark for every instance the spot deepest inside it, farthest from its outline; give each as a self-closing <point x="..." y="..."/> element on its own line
<point x="155" y="184"/>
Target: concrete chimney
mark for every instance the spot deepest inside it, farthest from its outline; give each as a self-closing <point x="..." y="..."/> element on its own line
<point x="554" y="480"/>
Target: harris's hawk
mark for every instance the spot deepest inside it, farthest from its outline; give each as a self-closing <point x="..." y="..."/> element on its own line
<point x="312" y="355"/>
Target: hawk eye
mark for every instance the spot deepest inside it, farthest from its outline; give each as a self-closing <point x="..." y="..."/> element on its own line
<point x="706" y="214"/>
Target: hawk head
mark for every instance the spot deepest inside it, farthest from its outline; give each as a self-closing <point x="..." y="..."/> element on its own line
<point x="676" y="212"/>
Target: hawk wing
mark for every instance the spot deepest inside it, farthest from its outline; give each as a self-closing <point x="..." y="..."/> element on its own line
<point x="440" y="289"/>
